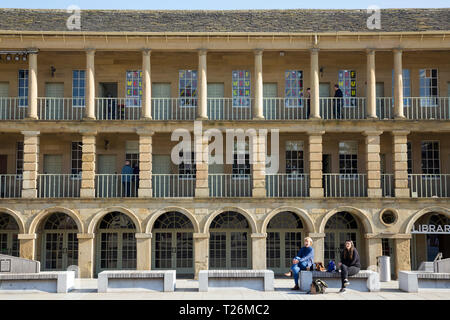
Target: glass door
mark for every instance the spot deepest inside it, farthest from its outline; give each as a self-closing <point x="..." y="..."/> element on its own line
<point x="60" y="250"/>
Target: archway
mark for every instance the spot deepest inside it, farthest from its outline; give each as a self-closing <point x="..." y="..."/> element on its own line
<point x="9" y="229"/>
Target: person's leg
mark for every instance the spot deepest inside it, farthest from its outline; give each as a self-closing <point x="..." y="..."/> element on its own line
<point x="295" y="270"/>
<point x="303" y="265"/>
<point x="344" y="274"/>
<point x="352" y="271"/>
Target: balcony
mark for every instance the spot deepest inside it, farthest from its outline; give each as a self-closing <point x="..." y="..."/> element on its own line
<point x="117" y="108"/>
<point x="338" y="185"/>
<point x="59" y="185"/>
<point x="116" y="185"/>
<point x="287" y="185"/>
<point x="61" y="108"/>
<point x="228" y="109"/>
<point x="416" y="108"/>
<point x="286" y="108"/>
<point x="173" y="185"/>
<point x="10" y="186"/>
<point x="13" y="108"/>
<point x="174" y="108"/>
<point x="429" y="185"/>
<point x="387" y="185"/>
<point x="230" y="185"/>
<point x="385" y="107"/>
<point x="342" y="108"/>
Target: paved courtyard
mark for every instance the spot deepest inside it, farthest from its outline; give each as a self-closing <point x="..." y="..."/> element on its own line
<point x="86" y="289"/>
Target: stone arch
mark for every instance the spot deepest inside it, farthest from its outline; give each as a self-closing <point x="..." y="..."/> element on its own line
<point x="420" y="213"/>
<point x="160" y="212"/>
<point x="16" y="217"/>
<point x="365" y="220"/>
<point x="251" y="221"/>
<point x="46" y="212"/>
<point x="99" y="215"/>
<point x="302" y="214"/>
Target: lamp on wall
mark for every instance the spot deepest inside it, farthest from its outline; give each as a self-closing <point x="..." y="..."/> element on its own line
<point x="53" y="70"/>
<point x="106" y="144"/>
<point x="321" y="71"/>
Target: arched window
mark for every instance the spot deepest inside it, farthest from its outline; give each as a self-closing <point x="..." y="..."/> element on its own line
<point x="173" y="220"/>
<point x="116" y="220"/>
<point x="342" y="220"/>
<point x="60" y="221"/>
<point x="229" y="220"/>
<point x="9" y="229"/>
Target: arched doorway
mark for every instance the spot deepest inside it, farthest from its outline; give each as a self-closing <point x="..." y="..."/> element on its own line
<point x="284" y="239"/>
<point x="430" y="235"/>
<point x="173" y="244"/>
<point x="229" y="242"/>
<point x="9" y="229"/>
<point x="340" y="227"/>
<point x="116" y="242"/>
<point x="59" y="242"/>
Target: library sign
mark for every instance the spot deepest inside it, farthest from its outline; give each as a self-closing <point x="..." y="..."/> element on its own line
<point x="431" y="229"/>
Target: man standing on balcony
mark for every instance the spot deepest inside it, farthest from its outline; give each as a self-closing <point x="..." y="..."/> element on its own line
<point x="127" y="173"/>
<point x="337" y="101"/>
<point x="308" y="102"/>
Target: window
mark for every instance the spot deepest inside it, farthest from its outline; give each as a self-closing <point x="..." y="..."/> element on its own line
<point x="409" y="157"/>
<point x="132" y="152"/>
<point x="187" y="170"/>
<point x="406" y="87"/>
<point x="241" y="88"/>
<point x="133" y="88"/>
<point x="347" y="83"/>
<point x="133" y="158"/>
<point x="430" y="157"/>
<point x="188" y="88"/>
<point x="428" y="87"/>
<point x="348" y="157"/>
<point x="23" y="88"/>
<point x="293" y="88"/>
<point x="19" y="158"/>
<point x="241" y="161"/>
<point x="78" y="88"/>
<point x="294" y="157"/>
<point x="77" y="153"/>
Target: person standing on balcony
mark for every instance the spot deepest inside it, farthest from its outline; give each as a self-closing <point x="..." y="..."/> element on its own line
<point x="349" y="264"/>
<point x="308" y="102"/>
<point x="303" y="261"/>
<point x="127" y="174"/>
<point x="136" y="176"/>
<point x="337" y="101"/>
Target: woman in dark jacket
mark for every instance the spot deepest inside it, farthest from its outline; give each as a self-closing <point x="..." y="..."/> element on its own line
<point x="349" y="264"/>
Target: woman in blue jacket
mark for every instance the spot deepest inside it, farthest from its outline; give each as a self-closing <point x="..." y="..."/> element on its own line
<point x="303" y="261"/>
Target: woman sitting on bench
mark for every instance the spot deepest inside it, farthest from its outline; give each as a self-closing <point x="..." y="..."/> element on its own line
<point x="303" y="261"/>
<point x="349" y="264"/>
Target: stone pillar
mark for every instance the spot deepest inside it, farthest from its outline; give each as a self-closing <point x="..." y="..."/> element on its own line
<point x="146" y="85"/>
<point x="201" y="164"/>
<point x="402" y="254"/>
<point x="314" y="98"/>
<point x="259" y="251"/>
<point x="373" y="165"/>
<point x="201" y="252"/>
<point x="88" y="164"/>
<point x="32" y="86"/>
<point x="30" y="163"/>
<point x="398" y="85"/>
<point x="143" y="251"/>
<point x="27" y="245"/>
<point x="90" y="84"/>
<point x="371" y="85"/>
<point x="315" y="164"/>
<point x="258" y="113"/>
<point x="202" y="108"/>
<point x="86" y="254"/>
<point x="145" y="163"/>
<point x="373" y="250"/>
<point x="400" y="162"/>
<point x="318" y="245"/>
<point x="258" y="157"/>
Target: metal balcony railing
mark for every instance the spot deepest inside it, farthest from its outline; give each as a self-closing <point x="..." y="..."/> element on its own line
<point x="427" y="108"/>
<point x="10" y="186"/>
<point x="117" y="108"/>
<point x="284" y="185"/>
<point x="59" y="185"/>
<point x="385" y="107"/>
<point x="174" y="108"/>
<point x="229" y="109"/>
<point x="429" y="185"/>
<point x="344" y="185"/>
<point x="116" y="185"/>
<point x="342" y="108"/>
<point x="13" y="108"/>
<point x="286" y="108"/>
<point x="387" y="185"/>
<point x="173" y="185"/>
<point x="61" y="108"/>
<point x="230" y="185"/>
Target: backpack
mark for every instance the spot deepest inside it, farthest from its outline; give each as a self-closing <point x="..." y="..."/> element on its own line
<point x="318" y="286"/>
<point x="319" y="266"/>
<point x="331" y="266"/>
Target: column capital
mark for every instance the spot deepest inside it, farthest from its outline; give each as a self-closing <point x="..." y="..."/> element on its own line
<point x="143" y="235"/>
<point x="372" y="133"/>
<point x="202" y="52"/>
<point x="397" y="50"/>
<point x="258" y="52"/>
<point x="199" y="235"/>
<point x="87" y="132"/>
<point x="400" y="132"/>
<point x="26" y="236"/>
<point x="85" y="236"/>
<point x="145" y="132"/>
<point x="146" y="51"/>
<point x="90" y="51"/>
<point x="314" y="50"/>
<point x="316" y="133"/>
<point x="370" y="51"/>
<point x="31" y="133"/>
<point x="32" y="50"/>
<point x="258" y="235"/>
<point x="316" y="235"/>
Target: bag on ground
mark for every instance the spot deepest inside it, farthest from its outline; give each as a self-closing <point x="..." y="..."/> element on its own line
<point x="318" y="287"/>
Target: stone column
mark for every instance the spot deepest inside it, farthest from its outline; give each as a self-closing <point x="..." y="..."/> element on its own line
<point x="201" y="252"/>
<point x="86" y="254"/>
<point x="314" y="98"/>
<point x="201" y="164"/>
<point x="258" y="166"/>
<point x="373" y="165"/>
<point x="143" y="251"/>
<point x="32" y="86"/>
<point x="402" y="254"/>
<point x="145" y="163"/>
<point x="258" y="113"/>
<point x="315" y="164"/>
<point x="318" y="245"/>
<point x="371" y="85"/>
<point x="398" y="85"/>
<point x="146" y="85"/>
<point x="259" y="251"/>
<point x="88" y="165"/>
<point x="400" y="161"/>
<point x="27" y="245"/>
<point x="30" y="163"/>
<point x="90" y="84"/>
<point x="373" y="250"/>
<point x="202" y="108"/>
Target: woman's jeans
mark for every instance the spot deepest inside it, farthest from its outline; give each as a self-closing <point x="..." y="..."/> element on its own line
<point x="296" y="269"/>
<point x="347" y="271"/>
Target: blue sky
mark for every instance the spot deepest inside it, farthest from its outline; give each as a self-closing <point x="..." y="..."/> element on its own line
<point x="223" y="5"/>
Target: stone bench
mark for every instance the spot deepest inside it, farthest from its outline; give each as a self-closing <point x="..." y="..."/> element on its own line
<point x="225" y="279"/>
<point x="52" y="281"/>
<point x="364" y="280"/>
<point x="136" y="280"/>
<point x="412" y="281"/>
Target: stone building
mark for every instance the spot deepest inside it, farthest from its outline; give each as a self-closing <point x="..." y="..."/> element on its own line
<point x="373" y="166"/>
